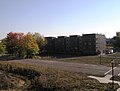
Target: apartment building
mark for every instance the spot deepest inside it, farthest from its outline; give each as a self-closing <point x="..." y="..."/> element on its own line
<point x="75" y="44"/>
<point x="67" y="41"/>
<point x="87" y="44"/>
<point x="93" y="44"/>
<point x="60" y="44"/>
<point x="80" y="45"/>
<point x="50" y="46"/>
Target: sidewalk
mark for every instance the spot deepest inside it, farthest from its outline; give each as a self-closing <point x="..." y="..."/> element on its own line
<point x="105" y="79"/>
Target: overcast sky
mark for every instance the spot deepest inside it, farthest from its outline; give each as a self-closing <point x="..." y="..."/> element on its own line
<point x="60" y="17"/>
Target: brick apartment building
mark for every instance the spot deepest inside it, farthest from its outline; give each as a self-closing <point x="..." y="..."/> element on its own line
<point x="87" y="44"/>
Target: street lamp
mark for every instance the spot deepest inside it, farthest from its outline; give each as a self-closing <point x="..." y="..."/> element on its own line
<point x="100" y="57"/>
<point x="112" y="62"/>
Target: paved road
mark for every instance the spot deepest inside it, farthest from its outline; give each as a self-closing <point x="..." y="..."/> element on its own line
<point x="116" y="71"/>
<point x="74" y="67"/>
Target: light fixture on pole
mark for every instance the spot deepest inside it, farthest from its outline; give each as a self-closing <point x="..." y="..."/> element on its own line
<point x="112" y="62"/>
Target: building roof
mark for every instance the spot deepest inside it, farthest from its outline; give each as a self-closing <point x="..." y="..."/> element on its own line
<point x="62" y="36"/>
<point x="74" y="35"/>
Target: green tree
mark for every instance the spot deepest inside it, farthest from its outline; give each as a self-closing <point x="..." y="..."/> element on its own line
<point x="2" y="48"/>
<point x="116" y="43"/>
<point x="4" y="41"/>
<point x="3" y="45"/>
<point x="40" y="41"/>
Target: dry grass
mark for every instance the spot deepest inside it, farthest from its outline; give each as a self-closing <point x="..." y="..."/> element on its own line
<point x="48" y="79"/>
<point x="8" y="82"/>
<point x="104" y="60"/>
<point x="90" y="60"/>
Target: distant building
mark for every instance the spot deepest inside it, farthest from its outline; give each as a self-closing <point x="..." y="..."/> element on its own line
<point x="50" y="47"/>
<point x="80" y="44"/>
<point x="67" y="41"/>
<point x="75" y="44"/>
<point x="87" y="44"/>
<point x="93" y="44"/>
<point x="60" y="44"/>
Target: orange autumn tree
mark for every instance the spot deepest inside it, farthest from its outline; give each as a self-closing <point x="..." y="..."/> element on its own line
<point x="30" y="45"/>
<point x="14" y="43"/>
<point x="21" y="45"/>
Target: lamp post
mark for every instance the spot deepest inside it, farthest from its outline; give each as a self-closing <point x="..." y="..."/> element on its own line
<point x="100" y="58"/>
<point x="112" y="62"/>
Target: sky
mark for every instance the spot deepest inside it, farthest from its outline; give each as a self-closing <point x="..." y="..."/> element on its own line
<point x="60" y="17"/>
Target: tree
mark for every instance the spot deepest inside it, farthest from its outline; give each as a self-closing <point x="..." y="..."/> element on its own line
<point x="116" y="43"/>
<point x="2" y="48"/>
<point x="30" y="45"/>
<point x="14" y="44"/>
<point x="21" y="45"/>
<point x="3" y="45"/>
<point x="40" y="41"/>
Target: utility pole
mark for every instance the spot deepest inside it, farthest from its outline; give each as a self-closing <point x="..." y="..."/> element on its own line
<point x="112" y="62"/>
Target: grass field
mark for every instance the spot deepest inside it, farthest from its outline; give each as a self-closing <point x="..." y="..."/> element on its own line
<point x="90" y="60"/>
<point x="97" y="60"/>
<point x="48" y="79"/>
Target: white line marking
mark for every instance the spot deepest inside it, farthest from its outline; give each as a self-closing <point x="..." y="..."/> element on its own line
<point x="109" y="71"/>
